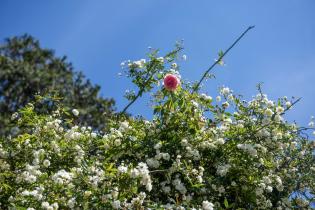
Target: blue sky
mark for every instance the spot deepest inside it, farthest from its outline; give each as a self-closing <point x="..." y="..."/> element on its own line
<point x="97" y="35"/>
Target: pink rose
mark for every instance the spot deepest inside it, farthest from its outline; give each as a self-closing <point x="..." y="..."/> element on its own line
<point x="171" y="82"/>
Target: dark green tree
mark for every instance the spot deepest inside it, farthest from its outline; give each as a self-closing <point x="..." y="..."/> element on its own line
<point x="27" y="69"/>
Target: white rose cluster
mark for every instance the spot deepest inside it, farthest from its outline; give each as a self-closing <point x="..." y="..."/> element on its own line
<point x="195" y="153"/>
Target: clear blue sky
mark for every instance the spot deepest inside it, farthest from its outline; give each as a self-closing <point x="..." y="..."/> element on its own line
<point x="97" y="35"/>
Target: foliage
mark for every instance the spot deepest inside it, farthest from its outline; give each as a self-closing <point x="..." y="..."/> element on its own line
<point x="198" y="152"/>
<point x="26" y="69"/>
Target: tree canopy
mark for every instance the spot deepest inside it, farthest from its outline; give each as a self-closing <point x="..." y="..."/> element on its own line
<point x="27" y="69"/>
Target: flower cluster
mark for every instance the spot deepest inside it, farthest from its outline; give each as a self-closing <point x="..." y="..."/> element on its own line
<point x="196" y="153"/>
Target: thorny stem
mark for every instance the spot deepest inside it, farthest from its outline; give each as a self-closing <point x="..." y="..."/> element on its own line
<point x="195" y="89"/>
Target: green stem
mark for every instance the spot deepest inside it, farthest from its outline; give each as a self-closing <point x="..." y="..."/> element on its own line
<point x="139" y="93"/>
<point x="195" y="89"/>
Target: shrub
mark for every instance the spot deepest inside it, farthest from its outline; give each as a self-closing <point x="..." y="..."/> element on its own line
<point x="198" y="152"/>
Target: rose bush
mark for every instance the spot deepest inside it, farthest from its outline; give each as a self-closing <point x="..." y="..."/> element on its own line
<point x="198" y="152"/>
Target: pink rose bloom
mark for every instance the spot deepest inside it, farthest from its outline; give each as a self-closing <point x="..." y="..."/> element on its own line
<point x="171" y="82"/>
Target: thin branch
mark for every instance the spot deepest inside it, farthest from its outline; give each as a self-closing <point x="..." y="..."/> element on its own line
<point x="220" y="58"/>
<point x="139" y="93"/>
<point x="305" y="129"/>
<point x="286" y="109"/>
<point x="289" y="107"/>
<point x="274" y="115"/>
<point x="158" y="171"/>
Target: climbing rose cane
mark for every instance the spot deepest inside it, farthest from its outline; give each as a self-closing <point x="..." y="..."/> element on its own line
<point x="171" y="82"/>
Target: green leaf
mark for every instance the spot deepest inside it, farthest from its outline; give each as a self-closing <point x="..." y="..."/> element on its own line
<point x="226" y="203"/>
<point x="159" y="75"/>
<point x="220" y="53"/>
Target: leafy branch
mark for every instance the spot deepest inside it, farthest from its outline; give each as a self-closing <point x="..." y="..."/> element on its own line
<point x="152" y="70"/>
